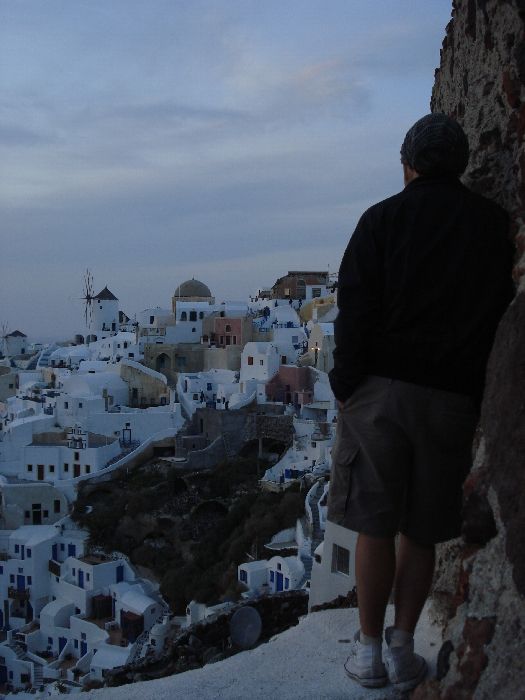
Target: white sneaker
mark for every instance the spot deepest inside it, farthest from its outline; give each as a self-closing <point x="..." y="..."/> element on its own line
<point x="365" y="664"/>
<point x="405" y="669"/>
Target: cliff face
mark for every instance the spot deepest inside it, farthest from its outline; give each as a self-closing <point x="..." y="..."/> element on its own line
<point x="481" y="81"/>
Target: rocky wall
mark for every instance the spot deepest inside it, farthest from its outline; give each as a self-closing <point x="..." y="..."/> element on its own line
<point x="481" y="579"/>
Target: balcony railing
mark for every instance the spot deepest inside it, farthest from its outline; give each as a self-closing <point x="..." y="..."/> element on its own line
<point x="54" y="567"/>
<point x="18" y="593"/>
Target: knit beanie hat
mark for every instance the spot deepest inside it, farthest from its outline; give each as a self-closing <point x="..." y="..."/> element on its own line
<point x="436" y="145"/>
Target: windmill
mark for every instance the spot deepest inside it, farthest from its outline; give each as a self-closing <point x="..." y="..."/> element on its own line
<point x="88" y="297"/>
<point x="3" y="338"/>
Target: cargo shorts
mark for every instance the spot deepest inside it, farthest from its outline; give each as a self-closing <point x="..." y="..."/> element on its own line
<point x="401" y="454"/>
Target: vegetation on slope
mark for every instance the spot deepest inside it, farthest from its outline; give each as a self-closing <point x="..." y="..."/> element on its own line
<point x="191" y="531"/>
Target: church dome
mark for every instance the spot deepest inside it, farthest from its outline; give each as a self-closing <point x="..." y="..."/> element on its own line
<point x="192" y="288"/>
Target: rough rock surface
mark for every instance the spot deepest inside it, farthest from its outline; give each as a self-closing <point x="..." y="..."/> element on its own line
<point x="481" y="82"/>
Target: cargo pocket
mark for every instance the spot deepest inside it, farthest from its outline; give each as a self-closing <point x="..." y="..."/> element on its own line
<point x="344" y="455"/>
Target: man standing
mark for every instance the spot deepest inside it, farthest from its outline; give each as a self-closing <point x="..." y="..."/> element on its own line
<point x="423" y="283"/>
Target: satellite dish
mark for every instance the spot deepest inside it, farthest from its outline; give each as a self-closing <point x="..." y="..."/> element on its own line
<point x="245" y="627"/>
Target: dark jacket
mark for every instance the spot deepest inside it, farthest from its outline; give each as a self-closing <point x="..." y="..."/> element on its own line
<point x="423" y="283"/>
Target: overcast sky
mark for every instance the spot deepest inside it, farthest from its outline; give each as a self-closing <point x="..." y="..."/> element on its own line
<point x="153" y="141"/>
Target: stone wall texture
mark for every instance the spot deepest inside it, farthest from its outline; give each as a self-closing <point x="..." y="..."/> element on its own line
<point x="481" y="82"/>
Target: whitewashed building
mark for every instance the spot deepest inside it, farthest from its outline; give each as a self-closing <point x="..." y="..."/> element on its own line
<point x="104" y="315"/>
<point x="71" y="614"/>
<point x="56" y="456"/>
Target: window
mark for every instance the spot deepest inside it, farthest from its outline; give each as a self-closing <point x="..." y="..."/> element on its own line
<point x="1" y="569"/>
<point x="228" y="329"/>
<point x="201" y="314"/>
<point x="66" y="405"/>
<point x="316" y="292"/>
<point x="56" y="506"/>
<point x="272" y="576"/>
<point x="50" y="640"/>
<point x="17" y="548"/>
<point x="295" y="339"/>
<point x="234" y="341"/>
<point x="29" y="467"/>
<point x="151" y="320"/>
<point x="261" y="362"/>
<point x="20" y="570"/>
<point x="209" y="387"/>
<point x="51" y="468"/>
<point x="76" y="643"/>
<point x="80" y="404"/>
<point x="46" y="514"/>
<point x="77" y="456"/>
<point x="29" y="580"/>
<point x="28" y="551"/>
<point x="340" y="560"/>
<point x="83" y="635"/>
<point x="278" y="567"/>
<point x="11" y="578"/>
<point x="88" y="576"/>
<point x="62" y="547"/>
<point x="66" y="467"/>
<point x="287" y="583"/>
<point x="193" y="315"/>
<point x="243" y="576"/>
<point x="193" y="330"/>
<point x="283" y="359"/>
<point x="27" y="514"/>
<point x="73" y="571"/>
<point x="250" y="360"/>
<point x="184" y="316"/>
<point x="88" y="469"/>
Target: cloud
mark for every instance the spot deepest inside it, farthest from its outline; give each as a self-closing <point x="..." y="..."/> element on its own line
<point x="12" y="136"/>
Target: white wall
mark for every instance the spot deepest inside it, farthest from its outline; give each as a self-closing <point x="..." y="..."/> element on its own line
<point x="265" y="362"/>
<point x="326" y="584"/>
<point x="104" y="316"/>
<point x="54" y="459"/>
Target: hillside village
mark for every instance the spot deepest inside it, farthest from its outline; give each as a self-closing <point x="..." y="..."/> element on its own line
<point x="186" y="390"/>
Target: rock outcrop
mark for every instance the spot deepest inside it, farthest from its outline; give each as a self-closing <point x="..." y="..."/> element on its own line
<point x="481" y="81"/>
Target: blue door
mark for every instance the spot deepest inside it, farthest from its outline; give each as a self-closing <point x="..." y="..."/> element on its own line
<point x="54" y="555"/>
<point x="278" y="581"/>
<point x="62" y="641"/>
<point x="83" y="648"/>
<point x="20" y="582"/>
<point x="80" y="578"/>
<point x="71" y="550"/>
<point x="120" y="573"/>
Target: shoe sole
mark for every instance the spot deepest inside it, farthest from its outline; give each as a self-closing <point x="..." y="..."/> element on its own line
<point x="405" y="686"/>
<point x="378" y="682"/>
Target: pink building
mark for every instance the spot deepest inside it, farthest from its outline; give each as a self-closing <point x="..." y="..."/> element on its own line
<point x="222" y="331"/>
<point x="291" y="385"/>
